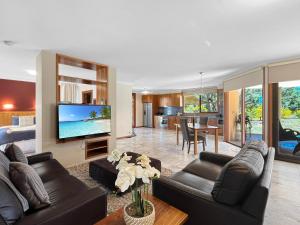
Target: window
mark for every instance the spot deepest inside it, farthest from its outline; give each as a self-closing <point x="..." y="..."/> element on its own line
<point x="191" y="103"/>
<point x="207" y="101"/>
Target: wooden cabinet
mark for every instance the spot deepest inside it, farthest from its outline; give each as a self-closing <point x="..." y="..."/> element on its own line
<point x="96" y="147"/>
<point x="147" y="98"/>
<point x="164" y="100"/>
<point x="170" y="100"/>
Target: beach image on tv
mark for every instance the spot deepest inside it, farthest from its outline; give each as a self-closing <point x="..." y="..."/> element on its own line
<point x="82" y="120"/>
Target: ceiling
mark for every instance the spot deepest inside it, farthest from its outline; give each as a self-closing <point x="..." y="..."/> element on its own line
<point x="155" y="45"/>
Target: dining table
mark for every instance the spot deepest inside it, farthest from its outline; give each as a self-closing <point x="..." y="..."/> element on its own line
<point x="196" y="127"/>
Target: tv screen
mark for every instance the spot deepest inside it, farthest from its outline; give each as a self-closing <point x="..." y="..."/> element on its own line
<point x="83" y="120"/>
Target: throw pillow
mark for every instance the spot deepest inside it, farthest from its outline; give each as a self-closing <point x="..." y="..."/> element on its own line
<point x="260" y="146"/>
<point x="15" y="154"/>
<point x="238" y="177"/>
<point x="29" y="184"/>
<point x="26" y="121"/>
<point x="4" y="161"/>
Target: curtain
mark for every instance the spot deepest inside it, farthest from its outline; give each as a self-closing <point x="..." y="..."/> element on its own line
<point x="70" y="93"/>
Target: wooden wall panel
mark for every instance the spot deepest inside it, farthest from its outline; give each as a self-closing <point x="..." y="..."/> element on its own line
<point x="6" y="117"/>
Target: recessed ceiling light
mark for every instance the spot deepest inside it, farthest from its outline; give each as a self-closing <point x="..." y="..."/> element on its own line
<point x="145" y="92"/>
<point x="31" y="72"/>
<point x="207" y="43"/>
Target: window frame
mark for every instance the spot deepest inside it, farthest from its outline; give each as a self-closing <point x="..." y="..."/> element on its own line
<point x="200" y="102"/>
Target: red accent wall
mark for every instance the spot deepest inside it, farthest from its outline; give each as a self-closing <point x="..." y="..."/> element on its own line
<point x="19" y="93"/>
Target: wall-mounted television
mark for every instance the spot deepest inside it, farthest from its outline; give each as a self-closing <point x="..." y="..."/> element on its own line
<point x="76" y="120"/>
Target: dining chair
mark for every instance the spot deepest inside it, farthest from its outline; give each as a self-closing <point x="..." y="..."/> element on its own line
<point x="189" y="136"/>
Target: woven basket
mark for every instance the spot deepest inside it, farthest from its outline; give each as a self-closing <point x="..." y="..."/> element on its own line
<point x="147" y="220"/>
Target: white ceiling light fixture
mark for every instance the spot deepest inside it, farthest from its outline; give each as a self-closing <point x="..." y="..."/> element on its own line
<point x="207" y="43"/>
<point x="145" y="92"/>
<point x="31" y="72"/>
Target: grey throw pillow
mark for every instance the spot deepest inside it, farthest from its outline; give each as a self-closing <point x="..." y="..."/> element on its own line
<point x="15" y="154"/>
<point x="4" y="161"/>
<point x="260" y="146"/>
<point x="29" y="184"/>
<point x="238" y="177"/>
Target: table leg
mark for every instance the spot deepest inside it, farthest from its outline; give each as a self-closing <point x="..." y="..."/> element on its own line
<point x="216" y="140"/>
<point x="195" y="141"/>
<point x="177" y="135"/>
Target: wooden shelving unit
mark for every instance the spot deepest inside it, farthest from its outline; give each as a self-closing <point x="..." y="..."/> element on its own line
<point x="93" y="146"/>
<point x="96" y="147"/>
<point x="101" y="81"/>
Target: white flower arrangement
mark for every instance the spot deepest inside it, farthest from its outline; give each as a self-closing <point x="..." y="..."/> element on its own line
<point x="130" y="174"/>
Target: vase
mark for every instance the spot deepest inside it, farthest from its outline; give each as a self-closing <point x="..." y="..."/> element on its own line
<point x="147" y="220"/>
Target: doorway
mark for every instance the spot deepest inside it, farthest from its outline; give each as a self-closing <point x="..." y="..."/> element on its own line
<point x="286" y="117"/>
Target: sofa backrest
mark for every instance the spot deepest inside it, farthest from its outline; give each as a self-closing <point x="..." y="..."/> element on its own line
<point x="255" y="203"/>
<point x="238" y="177"/>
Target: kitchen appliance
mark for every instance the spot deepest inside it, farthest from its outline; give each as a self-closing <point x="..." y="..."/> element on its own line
<point x="147" y="119"/>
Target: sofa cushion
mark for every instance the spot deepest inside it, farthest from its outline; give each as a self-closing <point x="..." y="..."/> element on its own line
<point x="4" y="161"/>
<point x="10" y="208"/>
<point x="238" y="177"/>
<point x="203" y="169"/>
<point x="50" y="169"/>
<point x="259" y="146"/>
<point x="64" y="187"/>
<point x="15" y="154"/>
<point x="194" y="181"/>
<point x="29" y="184"/>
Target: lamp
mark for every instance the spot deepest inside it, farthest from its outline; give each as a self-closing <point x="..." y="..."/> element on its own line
<point x="8" y="106"/>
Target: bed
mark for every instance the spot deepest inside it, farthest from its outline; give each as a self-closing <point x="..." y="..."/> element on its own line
<point x="11" y="134"/>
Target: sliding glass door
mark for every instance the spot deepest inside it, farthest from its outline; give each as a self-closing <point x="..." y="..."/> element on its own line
<point x="244" y="117"/>
<point x="253" y="113"/>
<point x="235" y="119"/>
<point x="288" y="114"/>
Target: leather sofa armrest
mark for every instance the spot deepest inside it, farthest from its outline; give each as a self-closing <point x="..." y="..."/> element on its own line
<point x="199" y="205"/>
<point x="39" y="157"/>
<point x="219" y="159"/>
<point x="86" y="208"/>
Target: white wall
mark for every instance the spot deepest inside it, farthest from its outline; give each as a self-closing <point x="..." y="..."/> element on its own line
<point x="139" y="110"/>
<point x="124" y="110"/>
<point x="70" y="153"/>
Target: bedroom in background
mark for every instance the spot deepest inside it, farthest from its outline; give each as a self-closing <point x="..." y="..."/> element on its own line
<point x="17" y="114"/>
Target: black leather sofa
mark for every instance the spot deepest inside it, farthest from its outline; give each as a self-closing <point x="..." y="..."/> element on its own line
<point x="196" y="189"/>
<point x="72" y="202"/>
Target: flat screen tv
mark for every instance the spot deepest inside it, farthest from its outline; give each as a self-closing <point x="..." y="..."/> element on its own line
<point x="82" y="120"/>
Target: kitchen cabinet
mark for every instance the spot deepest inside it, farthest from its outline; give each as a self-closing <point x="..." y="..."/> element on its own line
<point x="170" y="100"/>
<point x="147" y="98"/>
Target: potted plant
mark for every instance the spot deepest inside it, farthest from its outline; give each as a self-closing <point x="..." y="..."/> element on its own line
<point x="137" y="176"/>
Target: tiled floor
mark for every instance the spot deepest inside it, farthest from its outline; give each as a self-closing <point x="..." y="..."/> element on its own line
<point x="284" y="202"/>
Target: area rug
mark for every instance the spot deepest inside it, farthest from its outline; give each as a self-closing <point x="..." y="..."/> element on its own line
<point x="114" y="202"/>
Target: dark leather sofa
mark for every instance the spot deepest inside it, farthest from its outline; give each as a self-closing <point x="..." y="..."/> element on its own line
<point x="72" y="202"/>
<point x="193" y="190"/>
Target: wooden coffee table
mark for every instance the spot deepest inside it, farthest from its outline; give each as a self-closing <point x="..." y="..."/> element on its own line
<point x="165" y="214"/>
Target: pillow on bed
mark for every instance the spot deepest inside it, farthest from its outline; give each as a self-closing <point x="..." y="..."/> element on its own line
<point x="15" y="120"/>
<point x="26" y="121"/>
<point x="15" y="154"/>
